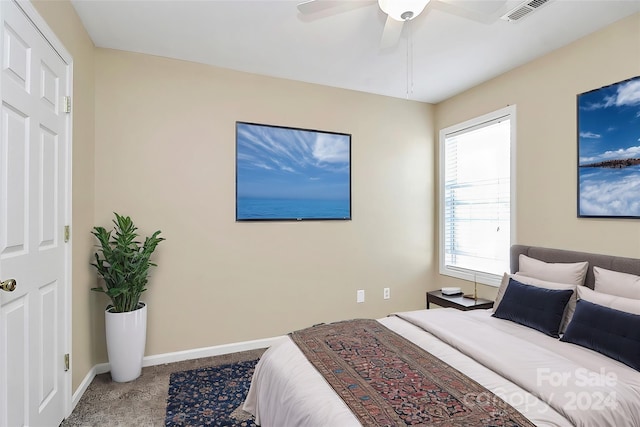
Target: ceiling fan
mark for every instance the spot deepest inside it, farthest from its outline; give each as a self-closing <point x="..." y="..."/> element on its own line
<point x="401" y="11"/>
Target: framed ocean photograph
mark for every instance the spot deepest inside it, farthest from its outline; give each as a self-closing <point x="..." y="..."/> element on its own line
<point x="291" y="174"/>
<point x="609" y="151"/>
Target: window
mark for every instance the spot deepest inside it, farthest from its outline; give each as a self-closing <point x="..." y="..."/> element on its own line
<point x="476" y="197"/>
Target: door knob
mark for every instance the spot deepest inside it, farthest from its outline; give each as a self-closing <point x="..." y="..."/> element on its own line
<point x="8" y="285"/>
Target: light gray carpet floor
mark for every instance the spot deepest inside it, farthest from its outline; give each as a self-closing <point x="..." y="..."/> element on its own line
<point x="141" y="402"/>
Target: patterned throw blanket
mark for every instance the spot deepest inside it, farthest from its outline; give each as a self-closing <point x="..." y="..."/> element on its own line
<point x="386" y="380"/>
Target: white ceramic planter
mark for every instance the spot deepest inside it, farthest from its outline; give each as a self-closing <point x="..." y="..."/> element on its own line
<point x="126" y="338"/>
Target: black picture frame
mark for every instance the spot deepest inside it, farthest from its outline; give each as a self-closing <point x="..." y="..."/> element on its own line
<point x="292" y="174"/>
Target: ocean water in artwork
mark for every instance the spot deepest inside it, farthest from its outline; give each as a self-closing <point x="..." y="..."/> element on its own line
<point x="606" y="191"/>
<point x="260" y="208"/>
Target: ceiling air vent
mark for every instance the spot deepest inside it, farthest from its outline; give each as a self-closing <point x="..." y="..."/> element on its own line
<point x="523" y="10"/>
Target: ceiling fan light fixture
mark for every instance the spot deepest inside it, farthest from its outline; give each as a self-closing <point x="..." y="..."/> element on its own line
<point x="402" y="10"/>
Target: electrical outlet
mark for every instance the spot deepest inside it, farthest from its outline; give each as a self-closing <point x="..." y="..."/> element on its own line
<point x="360" y="295"/>
<point x="386" y="294"/>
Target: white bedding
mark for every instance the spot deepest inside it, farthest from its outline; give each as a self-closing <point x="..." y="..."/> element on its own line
<point x="524" y="367"/>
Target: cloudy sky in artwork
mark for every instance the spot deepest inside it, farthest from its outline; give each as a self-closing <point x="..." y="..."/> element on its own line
<point x="609" y="122"/>
<point x="277" y="162"/>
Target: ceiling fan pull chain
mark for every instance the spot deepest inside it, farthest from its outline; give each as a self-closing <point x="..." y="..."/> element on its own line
<point x="411" y="56"/>
<point x="407" y="70"/>
<point x="409" y="87"/>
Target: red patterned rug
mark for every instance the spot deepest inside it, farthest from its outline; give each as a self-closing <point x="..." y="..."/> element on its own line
<point x="387" y="380"/>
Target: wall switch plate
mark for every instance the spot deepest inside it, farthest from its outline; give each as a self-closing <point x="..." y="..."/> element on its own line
<point x="386" y="293"/>
<point x="360" y="295"/>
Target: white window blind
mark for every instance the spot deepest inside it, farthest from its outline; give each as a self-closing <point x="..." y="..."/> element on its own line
<point x="476" y="200"/>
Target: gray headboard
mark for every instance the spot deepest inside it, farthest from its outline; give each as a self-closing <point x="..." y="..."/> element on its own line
<point x="624" y="265"/>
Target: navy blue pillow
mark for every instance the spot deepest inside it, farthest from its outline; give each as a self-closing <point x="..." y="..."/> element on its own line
<point x="537" y="308"/>
<point x="611" y="332"/>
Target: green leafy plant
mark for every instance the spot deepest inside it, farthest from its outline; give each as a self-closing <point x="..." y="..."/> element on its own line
<point x="123" y="262"/>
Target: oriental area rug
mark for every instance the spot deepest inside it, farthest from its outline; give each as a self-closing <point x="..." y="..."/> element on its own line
<point x="211" y="396"/>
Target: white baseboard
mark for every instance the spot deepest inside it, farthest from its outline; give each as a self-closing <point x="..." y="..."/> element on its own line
<point x="102" y="368"/>
<point x="177" y="356"/>
<point x="98" y="369"/>
<point x="217" y="350"/>
<point x="84" y="385"/>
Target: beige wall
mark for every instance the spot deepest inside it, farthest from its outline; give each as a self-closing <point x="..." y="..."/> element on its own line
<point x="62" y="19"/>
<point x="165" y="154"/>
<point x="544" y="92"/>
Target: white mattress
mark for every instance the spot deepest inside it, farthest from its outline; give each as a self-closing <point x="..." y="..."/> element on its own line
<point x="552" y="383"/>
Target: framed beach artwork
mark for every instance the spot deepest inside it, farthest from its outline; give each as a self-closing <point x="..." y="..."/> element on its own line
<point x="609" y="151"/>
<point x="291" y="174"/>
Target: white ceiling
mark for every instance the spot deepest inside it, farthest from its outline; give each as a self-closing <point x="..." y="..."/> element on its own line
<point x="339" y="47"/>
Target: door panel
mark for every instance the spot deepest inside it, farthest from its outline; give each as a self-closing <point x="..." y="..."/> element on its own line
<point x="15" y="313"/>
<point x="48" y="202"/>
<point x="14" y="146"/>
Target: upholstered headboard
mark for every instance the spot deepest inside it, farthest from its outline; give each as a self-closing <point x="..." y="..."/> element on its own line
<point x="616" y="263"/>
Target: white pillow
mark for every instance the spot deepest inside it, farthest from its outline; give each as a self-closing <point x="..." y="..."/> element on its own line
<point x="628" y="305"/>
<point x="572" y="273"/>
<point x="616" y="283"/>
<point x="501" y="290"/>
<point x="568" y="311"/>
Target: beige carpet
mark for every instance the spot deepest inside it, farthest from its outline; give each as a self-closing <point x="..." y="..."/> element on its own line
<point x="141" y="402"/>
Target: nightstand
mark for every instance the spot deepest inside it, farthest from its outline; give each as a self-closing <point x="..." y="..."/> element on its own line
<point x="457" y="301"/>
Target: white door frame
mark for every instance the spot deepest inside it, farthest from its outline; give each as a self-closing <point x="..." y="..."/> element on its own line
<point x="59" y="48"/>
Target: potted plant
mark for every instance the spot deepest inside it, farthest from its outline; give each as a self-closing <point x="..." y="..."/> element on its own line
<point x="123" y="262"/>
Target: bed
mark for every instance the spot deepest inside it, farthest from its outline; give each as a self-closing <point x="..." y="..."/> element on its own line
<point x="568" y="379"/>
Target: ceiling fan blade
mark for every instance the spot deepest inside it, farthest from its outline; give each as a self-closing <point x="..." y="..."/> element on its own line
<point x="391" y="33"/>
<point x="316" y="9"/>
<point x="485" y="12"/>
<point x="315" y="6"/>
